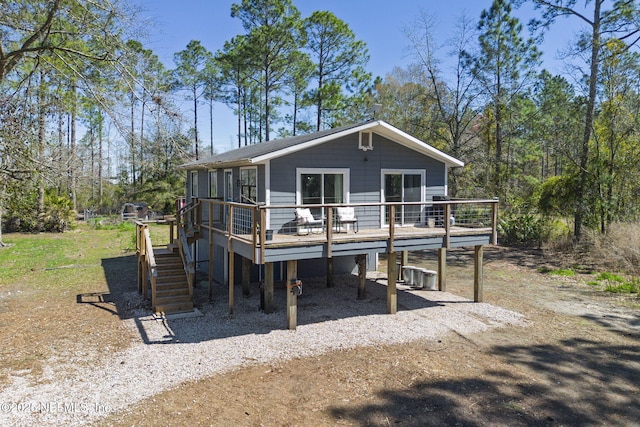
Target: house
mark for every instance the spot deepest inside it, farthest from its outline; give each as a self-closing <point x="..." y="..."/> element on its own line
<point x="394" y="184"/>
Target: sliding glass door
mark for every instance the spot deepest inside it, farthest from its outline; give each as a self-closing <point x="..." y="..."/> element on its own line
<point x="322" y="186"/>
<point x="401" y="186"/>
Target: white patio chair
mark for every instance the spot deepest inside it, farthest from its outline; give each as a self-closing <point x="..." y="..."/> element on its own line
<point x="305" y="219"/>
<point x="346" y="215"/>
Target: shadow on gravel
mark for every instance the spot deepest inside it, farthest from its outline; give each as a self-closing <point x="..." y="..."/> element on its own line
<point x="573" y="383"/>
<point x="317" y="304"/>
<point x="122" y="298"/>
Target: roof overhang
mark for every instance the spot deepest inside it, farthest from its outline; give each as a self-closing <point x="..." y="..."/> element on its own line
<point x="378" y="126"/>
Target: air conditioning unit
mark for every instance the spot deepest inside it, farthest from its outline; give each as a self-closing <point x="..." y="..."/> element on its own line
<point x="366" y="141"/>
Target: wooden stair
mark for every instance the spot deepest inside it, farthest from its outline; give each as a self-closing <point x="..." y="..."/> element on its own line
<point x="172" y="289"/>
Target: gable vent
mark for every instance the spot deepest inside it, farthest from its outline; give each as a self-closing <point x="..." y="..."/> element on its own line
<point x="366" y="141"/>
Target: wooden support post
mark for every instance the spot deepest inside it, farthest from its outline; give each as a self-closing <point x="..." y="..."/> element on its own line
<point x="330" y="281"/>
<point x="477" y="276"/>
<point x="362" y="276"/>
<point x="231" y="280"/>
<point x="142" y="268"/>
<point x="292" y="298"/>
<point x="442" y="269"/>
<point x="268" y="288"/>
<point x="246" y="277"/>
<point x="392" y="275"/>
<point x="210" y="252"/>
<point x="404" y="259"/>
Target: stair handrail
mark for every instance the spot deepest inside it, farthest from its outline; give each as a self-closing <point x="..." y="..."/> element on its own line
<point x="187" y="258"/>
<point x="187" y="211"/>
<point x="146" y="256"/>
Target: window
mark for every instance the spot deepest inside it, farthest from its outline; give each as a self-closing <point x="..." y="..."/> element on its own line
<point x="403" y="186"/>
<point x="366" y="141"/>
<point x="249" y="185"/>
<point x="213" y="183"/>
<point x="322" y="186"/>
<point x="194" y="184"/>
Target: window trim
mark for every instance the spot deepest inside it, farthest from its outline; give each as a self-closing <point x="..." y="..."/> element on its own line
<point x="213" y="173"/>
<point x="346" y="172"/>
<point x="366" y="136"/>
<point x="402" y="172"/>
<point x="254" y="168"/>
<point x="194" y="184"/>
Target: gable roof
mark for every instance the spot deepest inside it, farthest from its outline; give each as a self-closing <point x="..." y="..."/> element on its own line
<point x="260" y="153"/>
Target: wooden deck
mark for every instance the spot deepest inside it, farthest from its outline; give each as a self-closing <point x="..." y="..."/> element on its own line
<point x="321" y="244"/>
<point x="241" y="229"/>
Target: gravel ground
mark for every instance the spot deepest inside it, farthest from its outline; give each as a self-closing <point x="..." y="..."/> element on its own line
<point x="170" y="351"/>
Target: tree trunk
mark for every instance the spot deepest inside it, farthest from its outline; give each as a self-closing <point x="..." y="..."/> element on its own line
<point x="100" y="189"/>
<point x="42" y="135"/>
<point x="133" y="143"/>
<point x="581" y="208"/>
<point x="72" y="156"/>
<point x="195" y="118"/>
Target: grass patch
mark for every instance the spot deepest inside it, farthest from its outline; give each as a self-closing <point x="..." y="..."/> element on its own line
<point x="561" y="272"/>
<point x="65" y="260"/>
<point x="610" y="277"/>
<point x="593" y="283"/>
<point x="623" y="288"/>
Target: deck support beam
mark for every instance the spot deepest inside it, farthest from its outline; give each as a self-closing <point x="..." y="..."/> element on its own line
<point x="210" y="209"/>
<point x="231" y="278"/>
<point x="330" y="280"/>
<point x="362" y="276"/>
<point x="246" y="277"/>
<point x="392" y="276"/>
<point x="404" y="260"/>
<point x="268" y="288"/>
<point x="442" y="269"/>
<point x="292" y="298"/>
<point x="477" y="276"/>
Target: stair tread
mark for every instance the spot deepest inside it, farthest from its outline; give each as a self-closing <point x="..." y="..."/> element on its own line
<point x="172" y="308"/>
<point x="171" y="299"/>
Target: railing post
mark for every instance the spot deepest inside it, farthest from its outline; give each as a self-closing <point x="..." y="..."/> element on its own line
<point x="494" y="223"/>
<point x="230" y="224"/>
<point x="329" y="225"/>
<point x="392" y="227"/>
<point x="447" y="225"/>
<point x="263" y="233"/>
<point x="198" y="213"/>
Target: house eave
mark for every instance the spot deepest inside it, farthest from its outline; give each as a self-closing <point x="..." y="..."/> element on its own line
<point x="217" y="165"/>
<point x="377" y="126"/>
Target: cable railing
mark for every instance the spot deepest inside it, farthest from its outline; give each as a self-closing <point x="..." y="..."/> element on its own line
<point x="269" y="225"/>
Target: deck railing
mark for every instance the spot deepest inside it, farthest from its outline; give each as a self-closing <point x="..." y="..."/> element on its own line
<point x="147" y="268"/>
<point x="265" y="225"/>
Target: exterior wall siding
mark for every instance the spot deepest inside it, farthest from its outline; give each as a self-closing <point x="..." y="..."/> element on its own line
<point x="365" y="173"/>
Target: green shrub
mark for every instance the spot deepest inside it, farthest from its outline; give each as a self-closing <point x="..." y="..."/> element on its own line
<point x="58" y="213"/>
<point x="623" y="288"/>
<point x="610" y="277"/>
<point x="521" y="229"/>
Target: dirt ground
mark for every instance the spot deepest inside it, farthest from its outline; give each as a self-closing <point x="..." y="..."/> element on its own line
<point x="577" y="364"/>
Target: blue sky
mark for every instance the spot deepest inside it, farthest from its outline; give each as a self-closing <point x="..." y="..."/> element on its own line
<point x="379" y="23"/>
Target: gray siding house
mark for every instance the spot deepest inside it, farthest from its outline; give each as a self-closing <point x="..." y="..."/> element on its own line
<point x="358" y="165"/>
